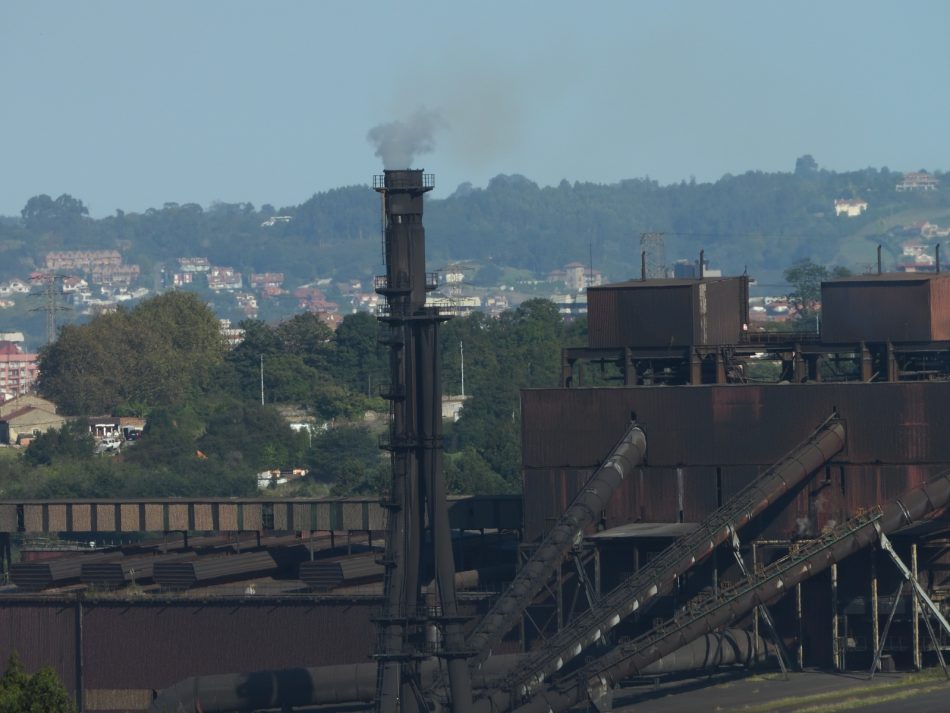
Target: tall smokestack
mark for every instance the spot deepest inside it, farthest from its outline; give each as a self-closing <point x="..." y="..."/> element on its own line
<point x="402" y="191"/>
<point x="418" y="536"/>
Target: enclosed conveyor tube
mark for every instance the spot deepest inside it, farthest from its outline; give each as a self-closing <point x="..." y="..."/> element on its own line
<point x="288" y="689"/>
<point x="660" y="574"/>
<point x="707" y="614"/>
<point x="731" y="647"/>
<point x="353" y="684"/>
<point x="582" y="512"/>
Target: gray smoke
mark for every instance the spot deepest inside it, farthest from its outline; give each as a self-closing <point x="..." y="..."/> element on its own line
<point x="397" y="142"/>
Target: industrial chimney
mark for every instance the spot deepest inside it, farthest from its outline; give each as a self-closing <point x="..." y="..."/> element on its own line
<point x="418" y="539"/>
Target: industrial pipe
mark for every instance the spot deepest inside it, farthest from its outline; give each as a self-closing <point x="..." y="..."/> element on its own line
<point x="286" y="689"/>
<point x="660" y="574"/>
<point x="599" y="678"/>
<point x="289" y="688"/>
<point x="730" y="647"/>
<point x="582" y="512"/>
<point x="352" y="684"/>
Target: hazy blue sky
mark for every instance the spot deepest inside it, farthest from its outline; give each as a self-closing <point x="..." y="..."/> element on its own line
<point x="130" y="104"/>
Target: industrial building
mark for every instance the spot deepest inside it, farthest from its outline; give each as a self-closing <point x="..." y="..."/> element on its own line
<point x="680" y="511"/>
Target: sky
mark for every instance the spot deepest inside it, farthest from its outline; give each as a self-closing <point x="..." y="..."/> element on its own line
<point x="128" y="105"/>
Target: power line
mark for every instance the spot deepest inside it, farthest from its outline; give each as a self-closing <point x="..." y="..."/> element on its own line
<point x="51" y="296"/>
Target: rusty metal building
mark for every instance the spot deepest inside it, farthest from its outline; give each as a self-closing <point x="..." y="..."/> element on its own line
<point x="682" y="349"/>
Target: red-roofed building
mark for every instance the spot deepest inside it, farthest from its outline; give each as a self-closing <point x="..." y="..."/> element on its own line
<point x="263" y="280"/>
<point x="224" y="278"/>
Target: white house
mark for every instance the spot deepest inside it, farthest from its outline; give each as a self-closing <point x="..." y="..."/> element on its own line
<point x="850" y="207"/>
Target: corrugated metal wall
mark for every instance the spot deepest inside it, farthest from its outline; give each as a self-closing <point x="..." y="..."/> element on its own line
<point x="736" y="424"/>
<point x="705" y="443"/>
<point x="344" y="514"/>
<point x="132" y="647"/>
<point x="940" y="309"/>
<point x="886" y="308"/>
<point x="43" y="634"/>
<point x="633" y="315"/>
<point x="667" y="313"/>
<point x="153" y="646"/>
<point x="690" y="494"/>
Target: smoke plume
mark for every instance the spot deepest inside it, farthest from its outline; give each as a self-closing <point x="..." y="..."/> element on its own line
<point x="397" y="142"/>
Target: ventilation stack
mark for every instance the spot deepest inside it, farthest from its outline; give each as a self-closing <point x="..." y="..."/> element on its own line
<point x="418" y="541"/>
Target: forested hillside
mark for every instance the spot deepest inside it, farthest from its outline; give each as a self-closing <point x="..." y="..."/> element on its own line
<point x="760" y="221"/>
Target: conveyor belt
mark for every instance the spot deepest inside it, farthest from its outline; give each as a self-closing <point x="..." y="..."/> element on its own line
<point x="660" y="574"/>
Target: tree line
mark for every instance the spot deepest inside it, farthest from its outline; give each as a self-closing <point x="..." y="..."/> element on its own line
<point x="208" y="432"/>
<point x="759" y="221"/>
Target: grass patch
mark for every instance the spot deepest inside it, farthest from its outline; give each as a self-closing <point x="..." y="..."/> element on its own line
<point x="913" y="684"/>
<point x="10" y="453"/>
<point x="862" y="701"/>
<point x="765" y="677"/>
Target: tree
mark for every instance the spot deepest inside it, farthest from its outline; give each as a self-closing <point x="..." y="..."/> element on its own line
<point x="73" y="440"/>
<point x="12" y="683"/>
<point x="805" y="278"/>
<point x="307" y="336"/>
<point x="805" y="165"/>
<point x="467" y="473"/>
<point x="159" y="353"/>
<point x="43" y="214"/>
<point x="348" y="459"/>
<point x="358" y="360"/>
<point x="40" y="693"/>
<point x="45" y="694"/>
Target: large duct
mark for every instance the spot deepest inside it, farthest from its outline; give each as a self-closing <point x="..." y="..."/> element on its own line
<point x="599" y="678"/>
<point x="356" y="683"/>
<point x="585" y="510"/>
<point x="731" y="647"/>
<point x="286" y="689"/>
<point x="660" y="574"/>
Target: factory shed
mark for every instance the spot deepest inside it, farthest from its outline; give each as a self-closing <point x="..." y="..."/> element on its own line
<point x="898" y="308"/>
<point x="668" y="313"/>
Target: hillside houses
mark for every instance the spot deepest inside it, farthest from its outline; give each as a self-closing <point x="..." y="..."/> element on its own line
<point x="269" y="284"/>
<point x="918" y="181"/>
<point x="103" y="267"/>
<point x="224" y="278"/>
